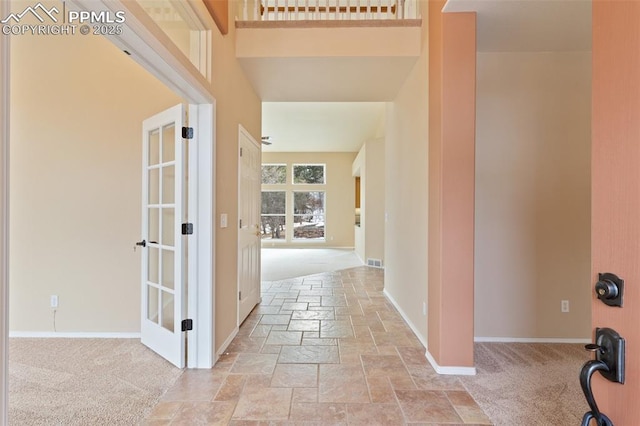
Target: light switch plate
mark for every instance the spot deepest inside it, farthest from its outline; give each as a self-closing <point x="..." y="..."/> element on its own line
<point x="223" y="220"/>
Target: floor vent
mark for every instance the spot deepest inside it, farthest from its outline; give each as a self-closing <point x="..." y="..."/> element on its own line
<point x="376" y="263"/>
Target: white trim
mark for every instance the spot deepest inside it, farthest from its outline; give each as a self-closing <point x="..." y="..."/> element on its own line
<point x="406" y="319"/>
<point x="530" y="340"/>
<point x="201" y="297"/>
<point x="454" y="371"/>
<point x="459" y="371"/>
<point x="154" y="50"/>
<point x="227" y="342"/>
<point x="73" y="335"/>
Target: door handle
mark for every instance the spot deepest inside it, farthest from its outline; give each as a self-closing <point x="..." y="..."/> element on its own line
<point x="609" y="349"/>
<point x="585" y="383"/>
<point x="142" y="243"/>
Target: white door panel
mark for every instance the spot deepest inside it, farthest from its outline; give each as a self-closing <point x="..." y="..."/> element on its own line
<point x="163" y="200"/>
<point x="249" y="187"/>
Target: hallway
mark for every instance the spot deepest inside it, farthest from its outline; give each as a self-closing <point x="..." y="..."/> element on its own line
<point x="322" y="349"/>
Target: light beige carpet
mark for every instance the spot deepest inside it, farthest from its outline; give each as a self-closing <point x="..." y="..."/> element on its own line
<point x="84" y="381"/>
<point x="284" y="263"/>
<point x="529" y="384"/>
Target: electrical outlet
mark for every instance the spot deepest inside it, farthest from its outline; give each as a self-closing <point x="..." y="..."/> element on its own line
<point x="564" y="306"/>
<point x="54" y="301"/>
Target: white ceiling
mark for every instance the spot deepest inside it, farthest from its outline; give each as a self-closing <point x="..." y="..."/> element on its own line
<point x="503" y="26"/>
<point x="327" y="79"/>
<point x="320" y="126"/>
<point x="529" y="25"/>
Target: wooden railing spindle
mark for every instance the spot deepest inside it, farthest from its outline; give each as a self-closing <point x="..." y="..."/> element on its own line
<point x="296" y="10"/>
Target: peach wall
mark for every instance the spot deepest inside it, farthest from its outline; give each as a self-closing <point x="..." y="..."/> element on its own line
<point x="435" y="170"/>
<point x="451" y="234"/>
<point x="616" y="190"/>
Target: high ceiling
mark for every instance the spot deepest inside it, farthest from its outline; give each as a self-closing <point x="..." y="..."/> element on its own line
<point x="503" y="26"/>
<point x="320" y="126"/>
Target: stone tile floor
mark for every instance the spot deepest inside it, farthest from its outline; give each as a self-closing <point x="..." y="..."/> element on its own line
<point x="326" y="349"/>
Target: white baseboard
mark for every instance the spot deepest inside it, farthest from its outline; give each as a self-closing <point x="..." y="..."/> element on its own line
<point x="404" y="316"/>
<point x="227" y="342"/>
<point x="529" y="340"/>
<point x="454" y="371"/>
<point x="460" y="371"/>
<point x="74" y="335"/>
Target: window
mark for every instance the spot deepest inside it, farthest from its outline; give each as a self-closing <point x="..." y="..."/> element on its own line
<point x="274" y="174"/>
<point x="308" y="214"/>
<point x="273" y="217"/>
<point x="181" y="23"/>
<point x="309" y="174"/>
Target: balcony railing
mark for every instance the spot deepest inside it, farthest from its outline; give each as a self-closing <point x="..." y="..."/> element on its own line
<point x="328" y="10"/>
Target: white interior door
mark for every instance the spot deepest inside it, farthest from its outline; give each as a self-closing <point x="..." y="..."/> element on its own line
<point x="163" y="201"/>
<point x="249" y="187"/>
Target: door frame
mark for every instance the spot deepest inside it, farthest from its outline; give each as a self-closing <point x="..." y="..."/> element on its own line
<point x="149" y="46"/>
<point x="155" y="52"/>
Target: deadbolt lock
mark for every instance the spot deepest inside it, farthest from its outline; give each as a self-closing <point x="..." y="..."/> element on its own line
<point x="609" y="289"/>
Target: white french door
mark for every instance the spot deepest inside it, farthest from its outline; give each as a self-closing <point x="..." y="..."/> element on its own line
<point x="249" y="187"/>
<point x="163" y="257"/>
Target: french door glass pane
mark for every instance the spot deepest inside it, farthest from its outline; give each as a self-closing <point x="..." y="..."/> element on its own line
<point x="168" y="185"/>
<point x="154" y="225"/>
<point x="153" y="265"/>
<point x="168" y="227"/>
<point x="154" y="147"/>
<point x="167" y="268"/>
<point x="154" y="186"/>
<point x="168" y="143"/>
<point x="167" y="310"/>
<point x="152" y="304"/>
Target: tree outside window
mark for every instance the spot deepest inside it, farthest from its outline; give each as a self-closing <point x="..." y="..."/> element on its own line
<point x="273" y="217"/>
<point x="308" y="215"/>
<point x="310" y="174"/>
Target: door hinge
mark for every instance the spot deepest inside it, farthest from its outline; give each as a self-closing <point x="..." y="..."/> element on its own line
<point x="240" y="152"/>
<point x="187" y="324"/>
<point x="187" y="228"/>
<point x="240" y="223"/>
<point x="239" y="295"/>
<point x="187" y="133"/>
